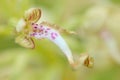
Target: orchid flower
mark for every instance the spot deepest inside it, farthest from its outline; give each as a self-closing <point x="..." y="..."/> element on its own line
<point x="27" y="29"/>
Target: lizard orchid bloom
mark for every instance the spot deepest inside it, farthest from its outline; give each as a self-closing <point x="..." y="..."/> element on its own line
<point x="27" y="29"/>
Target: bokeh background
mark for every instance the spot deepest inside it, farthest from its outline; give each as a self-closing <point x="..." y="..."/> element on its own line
<point x="97" y="23"/>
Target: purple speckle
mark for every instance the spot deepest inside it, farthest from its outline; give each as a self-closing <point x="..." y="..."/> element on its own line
<point x="46" y="31"/>
<point x="48" y="28"/>
<point x="35" y="27"/>
<point x="56" y="34"/>
<point x="34" y="34"/>
<point x="53" y="35"/>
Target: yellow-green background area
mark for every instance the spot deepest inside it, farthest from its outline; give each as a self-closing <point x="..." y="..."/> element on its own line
<point x="46" y="61"/>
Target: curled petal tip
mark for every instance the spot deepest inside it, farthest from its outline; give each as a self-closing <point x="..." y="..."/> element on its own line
<point x="86" y="60"/>
<point x="89" y="62"/>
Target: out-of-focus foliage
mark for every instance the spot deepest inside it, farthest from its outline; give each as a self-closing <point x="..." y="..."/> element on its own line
<point x="97" y="23"/>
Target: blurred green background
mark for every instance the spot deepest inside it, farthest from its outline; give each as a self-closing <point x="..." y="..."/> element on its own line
<point x="97" y="23"/>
